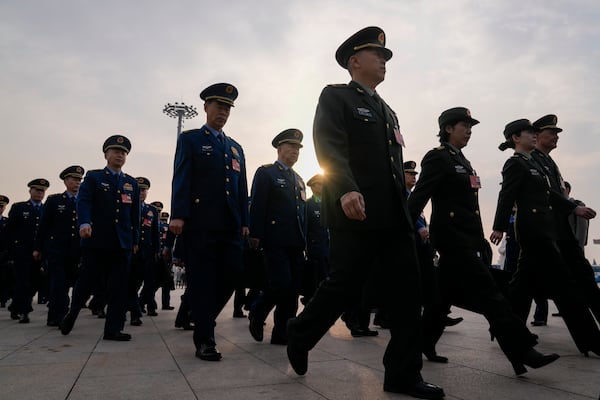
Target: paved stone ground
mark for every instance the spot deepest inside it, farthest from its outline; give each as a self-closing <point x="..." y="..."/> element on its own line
<point x="37" y="362"/>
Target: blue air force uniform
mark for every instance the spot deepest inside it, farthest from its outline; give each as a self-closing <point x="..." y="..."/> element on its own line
<point x="277" y="219"/>
<point x="209" y="192"/>
<point x="23" y="223"/>
<point x="58" y="240"/>
<point x="109" y="201"/>
<point x="147" y="255"/>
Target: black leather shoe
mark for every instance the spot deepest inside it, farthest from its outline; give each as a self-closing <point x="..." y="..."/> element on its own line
<point x="535" y="359"/>
<point x="435" y="357"/>
<point x="24" y="319"/>
<point x="256" y="328"/>
<point x="117" y="336"/>
<point x="421" y="390"/>
<point x="14" y="315"/>
<point x="453" y="321"/>
<point x="152" y="313"/>
<point x="298" y="359"/>
<point x="208" y="352"/>
<point x="67" y="323"/>
<point x="136" y="322"/>
<point x="360" y="332"/>
<point x="167" y="308"/>
<point x="238" y="314"/>
<point x="101" y="314"/>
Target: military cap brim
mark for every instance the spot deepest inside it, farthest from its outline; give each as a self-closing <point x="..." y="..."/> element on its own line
<point x="143" y="183"/>
<point x="293" y="136"/>
<point x="224" y="93"/>
<point x="4" y="200"/>
<point x="74" y="171"/>
<point x="318" y="178"/>
<point x="40" y="184"/>
<point x="456" y="114"/>
<point x="517" y="126"/>
<point x="117" y="142"/>
<point x="547" y="122"/>
<point x="371" y="37"/>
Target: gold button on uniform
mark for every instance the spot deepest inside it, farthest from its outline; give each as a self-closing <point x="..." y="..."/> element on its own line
<point x="273" y="222"/>
<point x="451" y="214"/>
<point x="534" y="211"/>
<point x="196" y="201"/>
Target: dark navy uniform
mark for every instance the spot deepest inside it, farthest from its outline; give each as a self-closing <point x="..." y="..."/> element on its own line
<point x="541" y="268"/>
<point x="23" y="223"/>
<point x="110" y="203"/>
<point x="59" y="243"/>
<point x="277" y="219"/>
<point x="148" y="252"/>
<point x="209" y="193"/>
<point x="58" y="240"/>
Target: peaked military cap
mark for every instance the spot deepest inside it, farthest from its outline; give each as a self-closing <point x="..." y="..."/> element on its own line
<point x="4" y="200"/>
<point x="143" y="183"/>
<point x="371" y="37"/>
<point x="409" y="166"/>
<point x="76" y="171"/>
<point x="455" y="114"/>
<point x="547" y="122"/>
<point x="158" y="204"/>
<point x="117" y="142"/>
<point x="515" y="127"/>
<point x="221" y="92"/>
<point x="40" y="183"/>
<point x="164" y="216"/>
<point x="318" y="178"/>
<point x="288" y="136"/>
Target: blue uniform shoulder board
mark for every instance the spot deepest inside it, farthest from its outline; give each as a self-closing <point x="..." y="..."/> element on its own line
<point x="266" y="165"/>
<point x="189" y="131"/>
<point x="440" y="147"/>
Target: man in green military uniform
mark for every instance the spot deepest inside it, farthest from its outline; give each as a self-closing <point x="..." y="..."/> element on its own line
<point x="358" y="144"/>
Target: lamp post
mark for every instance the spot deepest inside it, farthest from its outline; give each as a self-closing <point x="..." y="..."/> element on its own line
<point x="180" y="111"/>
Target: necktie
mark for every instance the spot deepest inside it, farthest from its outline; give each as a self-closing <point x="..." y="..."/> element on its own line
<point x="379" y="101"/>
<point x="220" y="138"/>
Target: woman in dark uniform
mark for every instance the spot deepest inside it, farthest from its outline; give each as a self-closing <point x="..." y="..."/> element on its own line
<point x="541" y="268"/>
<point x="456" y="232"/>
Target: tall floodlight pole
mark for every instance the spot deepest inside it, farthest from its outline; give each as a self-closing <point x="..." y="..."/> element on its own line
<point x="180" y="111"/>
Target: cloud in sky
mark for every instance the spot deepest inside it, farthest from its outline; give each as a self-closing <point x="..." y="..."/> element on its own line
<point x="75" y="72"/>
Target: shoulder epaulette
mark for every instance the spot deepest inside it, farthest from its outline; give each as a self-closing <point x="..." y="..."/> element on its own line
<point x="95" y="170"/>
<point x="190" y="131"/>
<point x="441" y="147"/>
<point x="338" y="85"/>
<point x="267" y="165"/>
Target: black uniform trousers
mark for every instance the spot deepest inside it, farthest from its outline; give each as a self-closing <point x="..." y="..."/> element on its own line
<point x="386" y="262"/>
<point x="62" y="273"/>
<point x="582" y="273"/>
<point x="542" y="271"/>
<point x="284" y="275"/>
<point x="136" y="278"/>
<point x="213" y="265"/>
<point x="465" y="281"/>
<point x="98" y="264"/>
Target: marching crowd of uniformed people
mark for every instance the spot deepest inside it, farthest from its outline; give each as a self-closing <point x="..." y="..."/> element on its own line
<point x="361" y="242"/>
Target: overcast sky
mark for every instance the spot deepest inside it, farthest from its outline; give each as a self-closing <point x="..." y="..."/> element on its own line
<point x="75" y="72"/>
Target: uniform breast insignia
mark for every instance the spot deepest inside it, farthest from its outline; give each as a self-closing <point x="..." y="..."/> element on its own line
<point x="127" y="186"/>
<point x="206" y="149"/>
<point x="364" y="112"/>
<point x="460" y="169"/>
<point x="61" y="207"/>
<point x="105" y="185"/>
<point x="235" y="151"/>
<point x="281" y="181"/>
<point x="534" y="171"/>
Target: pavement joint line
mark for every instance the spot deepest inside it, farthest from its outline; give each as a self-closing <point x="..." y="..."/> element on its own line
<point x="83" y="367"/>
<point x="25" y="345"/>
